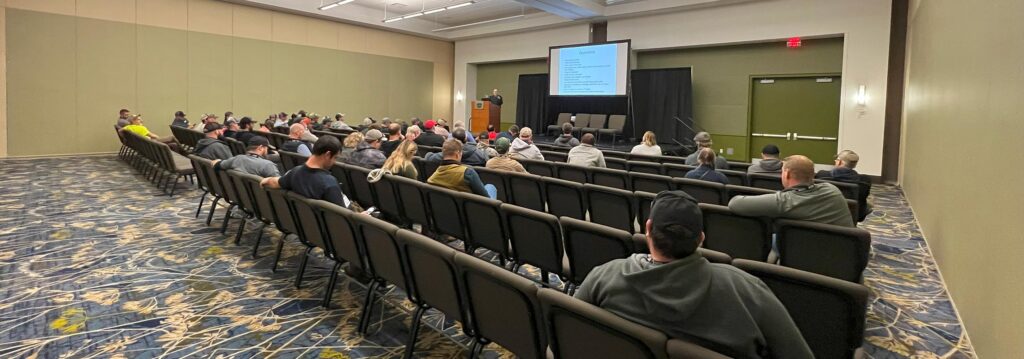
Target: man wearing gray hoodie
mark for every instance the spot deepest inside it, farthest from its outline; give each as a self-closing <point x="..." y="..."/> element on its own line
<point x="678" y="292"/>
<point x="523" y="147"/>
<point x="802" y="199"/>
<point x="770" y="162"/>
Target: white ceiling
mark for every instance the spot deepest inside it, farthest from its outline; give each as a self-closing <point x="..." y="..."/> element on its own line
<point x="498" y="16"/>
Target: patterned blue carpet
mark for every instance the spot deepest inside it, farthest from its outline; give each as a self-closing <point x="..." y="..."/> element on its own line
<point x="96" y="263"/>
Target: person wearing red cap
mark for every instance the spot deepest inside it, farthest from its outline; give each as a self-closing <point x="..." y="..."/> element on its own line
<point x="428" y="137"/>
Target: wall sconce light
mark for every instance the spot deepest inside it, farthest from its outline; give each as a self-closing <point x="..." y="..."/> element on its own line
<point x="458" y="96"/>
<point x="862" y="96"/>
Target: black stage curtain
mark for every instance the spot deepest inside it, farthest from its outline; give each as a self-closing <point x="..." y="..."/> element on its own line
<point x="659" y="97"/>
<point x="531" y="105"/>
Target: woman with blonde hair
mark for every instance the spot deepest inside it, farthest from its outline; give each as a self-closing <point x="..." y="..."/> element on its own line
<point x="649" y="146"/>
<point x="400" y="162"/>
<point x="349" y="146"/>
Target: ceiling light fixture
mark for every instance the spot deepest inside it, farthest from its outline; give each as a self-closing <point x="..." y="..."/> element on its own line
<point x="450" y="28"/>
<point x="428" y="12"/>
<point x="335" y="4"/>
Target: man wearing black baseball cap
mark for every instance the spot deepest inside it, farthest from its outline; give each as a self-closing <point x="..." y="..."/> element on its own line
<point x="770" y="162"/>
<point x="180" y="120"/>
<point x="675" y="290"/>
<point x="253" y="161"/>
<point x="211" y="147"/>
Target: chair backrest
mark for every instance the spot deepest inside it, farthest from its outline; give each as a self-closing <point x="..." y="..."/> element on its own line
<point x="340" y="174"/>
<point x="536" y="238"/>
<point x="645" y="158"/>
<point x="608" y="177"/>
<point x="738" y="166"/>
<point x="305" y="218"/>
<point x="582" y="330"/>
<point x="849" y="190"/>
<point x="616" y="122"/>
<point x="676" y="170"/>
<point x="834" y="251"/>
<point x="429" y="167"/>
<point x="675" y="160"/>
<point x="205" y="168"/>
<point x="384" y="257"/>
<point x="237" y="147"/>
<point x="360" y="185"/>
<point x="736" y="178"/>
<point x="588" y="245"/>
<point x="556" y="156"/>
<point x="643" y="167"/>
<point x="597" y="121"/>
<point x="341" y="232"/>
<point x="647" y="182"/>
<point x="582" y="120"/>
<point x="766" y="181"/>
<point x="290" y="160"/>
<point x="282" y="212"/>
<point x="526" y="190"/>
<point x="733" y="191"/>
<point x="245" y="198"/>
<point x="503" y="307"/>
<point x="264" y="209"/>
<point x="714" y="256"/>
<point x="496" y="178"/>
<point x="615" y="154"/>
<point x="565" y="198"/>
<point x="445" y="212"/>
<point x="572" y="173"/>
<point x="537" y="167"/>
<point x="681" y="349"/>
<point x="736" y="235"/>
<point x="612" y="207"/>
<point x="414" y="204"/>
<point x="563" y="117"/>
<point x="432" y="275"/>
<point x="830" y="313"/>
<point x="389" y="202"/>
<point x="485" y="224"/>
<point x="702" y="191"/>
<point x="644" y="200"/>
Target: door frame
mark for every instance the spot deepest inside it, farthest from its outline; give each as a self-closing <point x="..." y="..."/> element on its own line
<point x="750" y="98"/>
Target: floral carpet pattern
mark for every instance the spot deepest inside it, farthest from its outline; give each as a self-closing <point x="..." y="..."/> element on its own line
<point x="96" y="263"/>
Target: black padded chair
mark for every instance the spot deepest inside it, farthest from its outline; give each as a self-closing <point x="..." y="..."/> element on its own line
<point x="644" y="200"/>
<point x="384" y="260"/>
<point x="283" y="220"/>
<point x="582" y="330"/>
<point x="681" y="349"/>
<point x="563" y="118"/>
<point x="673" y="160"/>
<point x="361" y="188"/>
<point x="588" y="245"/>
<point x="643" y="167"/>
<point x="615" y="125"/>
<point x="634" y="157"/>
<point x="609" y="177"/>
<point x="246" y="202"/>
<point x="556" y="156"/>
<point x="342" y="176"/>
<point x="485" y="225"/>
<point x="676" y="170"/>
<point x="389" y="202"/>
<point x="502" y="307"/>
<point x="615" y="154"/>
<point x="414" y="203"/>
<point x="647" y="182"/>
<point x="738" y="166"/>
<point x="582" y="121"/>
<point x="596" y="124"/>
<point x="536" y="240"/>
<point x="766" y="181"/>
<point x="565" y="198"/>
<point x="236" y="146"/>
<point x="264" y="208"/>
<point x="309" y="231"/>
<point x="526" y="190"/>
<point x="434" y="279"/>
<point x="733" y="191"/>
<point x="736" y="178"/>
<point x="445" y="212"/>
<point x="346" y="242"/>
<point x="615" y="163"/>
<point x="612" y="207"/>
<point x="204" y="171"/>
<point x="702" y="191"/>
<point x="290" y="160"/>
<point x="849" y="190"/>
<point x="736" y="235"/>
<point x="834" y="251"/>
<point x="830" y="313"/>
<point x="496" y="178"/>
<point x="539" y="168"/>
<point x="714" y="256"/>
<point x="573" y="173"/>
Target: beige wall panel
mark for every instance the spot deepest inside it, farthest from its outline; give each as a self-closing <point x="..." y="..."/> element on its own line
<point x="288" y="73"/>
<point x="289" y="28"/>
<point x="163" y="13"/>
<point x="162" y="80"/>
<point x="3" y="80"/>
<point x="364" y="94"/>
<point x="322" y="33"/>
<point x="352" y="38"/>
<point x="316" y="79"/>
<point x="210" y="16"/>
<point x="252" y="23"/>
<point x="113" y="10"/>
<point x="209" y="73"/>
<point x="40" y="81"/>
<point x="251" y="82"/>
<point x="106" y="63"/>
<point x="442" y="105"/>
<point x="63" y="7"/>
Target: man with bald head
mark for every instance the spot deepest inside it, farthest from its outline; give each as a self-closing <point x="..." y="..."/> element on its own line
<point x="802" y="199"/>
<point x="295" y="142"/>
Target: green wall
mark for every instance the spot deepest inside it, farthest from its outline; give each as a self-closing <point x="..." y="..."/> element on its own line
<point x="504" y="76"/>
<point x="73" y="74"/>
<point x="721" y="79"/>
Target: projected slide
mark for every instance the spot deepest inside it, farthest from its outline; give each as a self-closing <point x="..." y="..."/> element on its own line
<point x="589" y="70"/>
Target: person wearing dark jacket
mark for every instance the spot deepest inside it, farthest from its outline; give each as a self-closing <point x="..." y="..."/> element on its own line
<point x="678" y="292"/>
<point x="294" y="143"/>
<point x="471" y="154"/>
<point x="393" y="140"/>
<point x="512" y="134"/>
<point x="566" y="139"/>
<point x="368" y="153"/>
<point x="770" y="162"/>
<point x="843" y="171"/>
<point x="706" y="169"/>
<point x="210" y="147"/>
<point x="703" y="140"/>
<point x="180" y="120"/>
<point x="427" y="137"/>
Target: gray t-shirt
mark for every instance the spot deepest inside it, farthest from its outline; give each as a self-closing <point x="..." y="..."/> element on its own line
<point x="251" y="164"/>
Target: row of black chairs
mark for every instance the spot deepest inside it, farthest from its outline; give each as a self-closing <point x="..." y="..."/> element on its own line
<point x="590" y="123"/>
<point x="496" y="305"/>
<point x="155" y="160"/>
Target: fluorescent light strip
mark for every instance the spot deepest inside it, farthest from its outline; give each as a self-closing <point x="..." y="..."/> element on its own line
<point x="335" y="4"/>
<point x="478" y="23"/>
<point x="426" y="12"/>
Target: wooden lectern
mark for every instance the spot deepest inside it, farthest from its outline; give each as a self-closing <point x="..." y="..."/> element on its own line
<point x="484" y="113"/>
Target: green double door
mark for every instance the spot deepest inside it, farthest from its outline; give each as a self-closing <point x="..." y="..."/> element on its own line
<point x="798" y="114"/>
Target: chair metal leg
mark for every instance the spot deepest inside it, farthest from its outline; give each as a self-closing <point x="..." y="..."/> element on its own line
<point x="201" y="200"/>
<point x="227" y="216"/>
<point x="213" y="207"/>
<point x="414" y="330"/>
<point x="241" y="228"/>
<point x="302" y="267"/>
<point x="364" y="318"/>
<point x="329" y="291"/>
<point x="259" y="237"/>
<point x="277" y="257"/>
<point x="174" y="185"/>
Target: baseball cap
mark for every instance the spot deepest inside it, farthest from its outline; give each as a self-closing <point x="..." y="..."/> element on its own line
<point x="676" y="214"/>
<point x="702" y="137"/>
<point x="258" y="141"/>
<point x="770" y="150"/>
<point x="373" y="135"/>
<point x="245" y="121"/>
<point x="429" y="124"/>
<point x="211" y="126"/>
<point x="502" y="145"/>
<point x="180" y="114"/>
<point x="442" y="122"/>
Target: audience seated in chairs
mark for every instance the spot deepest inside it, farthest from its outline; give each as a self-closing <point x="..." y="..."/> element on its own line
<point x="211" y="147"/>
<point x="843" y="171"/>
<point x="400" y="162"/>
<point x="483" y="143"/>
<point x="648" y="147"/>
<point x="428" y="137"/>
<point x="504" y="161"/>
<point x="412" y="133"/>
<point x="295" y="142"/>
<point x="459" y="125"/>
<point x="566" y="139"/>
<point x="586" y="154"/>
<point x="523" y="147"/>
<point x="703" y="140"/>
<point x="313" y="179"/>
<point x="802" y="199"/>
<point x="206" y="118"/>
<point x="349" y="146"/>
<point x="706" y="169"/>
<point x="393" y="140"/>
<point x="339" y="123"/>
<point x="253" y="162"/>
<point x="512" y="134"/>
<point x="244" y="130"/>
<point x="368" y="153"/>
<point x="452" y="174"/>
<point x="770" y="162"/>
<point x="471" y="155"/>
<point x="179" y="120"/>
<point x="675" y="290"/>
